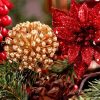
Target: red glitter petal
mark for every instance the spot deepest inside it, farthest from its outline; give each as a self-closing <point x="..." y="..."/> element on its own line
<point x="87" y="54"/>
<point x="83" y="13"/>
<point x="73" y="53"/>
<point x="97" y="22"/>
<point x="80" y="70"/>
<point x="97" y="57"/>
<point x="61" y="19"/>
<point x="63" y="33"/>
<point x="97" y="37"/>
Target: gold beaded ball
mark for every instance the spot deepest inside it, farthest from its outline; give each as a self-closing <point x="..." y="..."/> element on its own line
<point x="32" y="44"/>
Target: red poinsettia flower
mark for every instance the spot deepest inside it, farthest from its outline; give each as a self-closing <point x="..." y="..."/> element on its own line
<point x="78" y="31"/>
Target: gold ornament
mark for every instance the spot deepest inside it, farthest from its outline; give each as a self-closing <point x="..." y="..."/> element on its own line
<point x="32" y="44"/>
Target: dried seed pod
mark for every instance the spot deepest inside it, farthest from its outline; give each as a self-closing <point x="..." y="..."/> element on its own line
<point x="31" y="43"/>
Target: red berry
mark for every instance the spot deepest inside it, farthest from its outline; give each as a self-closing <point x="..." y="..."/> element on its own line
<point x="6" y="20"/>
<point x="4" y="32"/>
<point x="75" y="87"/>
<point x="1" y="3"/>
<point x="8" y="3"/>
<point x="1" y="37"/>
<point x="4" y="10"/>
<point x="3" y="55"/>
<point x="1" y="10"/>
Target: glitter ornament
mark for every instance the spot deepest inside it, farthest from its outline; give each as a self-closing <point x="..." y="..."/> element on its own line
<point x="78" y="32"/>
<point x="5" y="20"/>
<point x="28" y="44"/>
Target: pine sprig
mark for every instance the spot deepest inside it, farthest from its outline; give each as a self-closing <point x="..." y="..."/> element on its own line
<point x="10" y="82"/>
<point x="93" y="92"/>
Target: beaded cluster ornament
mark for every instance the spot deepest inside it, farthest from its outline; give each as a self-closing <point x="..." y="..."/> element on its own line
<point x="5" y="20"/>
<point x="32" y="44"/>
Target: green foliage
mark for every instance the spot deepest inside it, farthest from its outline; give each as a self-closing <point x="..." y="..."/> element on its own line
<point x="93" y="92"/>
<point x="10" y="82"/>
<point x="59" y="66"/>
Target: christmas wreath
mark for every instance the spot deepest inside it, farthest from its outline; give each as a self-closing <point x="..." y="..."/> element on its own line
<point x="42" y="63"/>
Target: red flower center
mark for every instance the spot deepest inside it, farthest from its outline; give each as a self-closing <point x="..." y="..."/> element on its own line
<point x="85" y="36"/>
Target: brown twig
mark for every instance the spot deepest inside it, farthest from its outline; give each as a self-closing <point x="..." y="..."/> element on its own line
<point x="86" y="77"/>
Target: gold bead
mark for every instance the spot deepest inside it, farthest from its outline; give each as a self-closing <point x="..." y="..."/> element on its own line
<point x="21" y="43"/>
<point x="29" y="67"/>
<point x="44" y="50"/>
<point x="49" y="41"/>
<point x="43" y="44"/>
<point x="41" y="35"/>
<point x="33" y="43"/>
<point x="6" y="48"/>
<point x="38" y="49"/>
<point x="17" y="55"/>
<point x="52" y="54"/>
<point x="19" y="50"/>
<point x="49" y="49"/>
<point x="15" y="47"/>
<point x="43" y="56"/>
<point x="46" y="61"/>
<point x="55" y="38"/>
<point x="12" y="55"/>
<point x="50" y="34"/>
<point x="14" y="41"/>
<point x="30" y="58"/>
<point x="26" y="51"/>
<point x="55" y="44"/>
<point x="32" y="53"/>
<point x="38" y="56"/>
<point x="25" y="63"/>
<point x="38" y="40"/>
<point x="25" y="58"/>
<point x="15" y="60"/>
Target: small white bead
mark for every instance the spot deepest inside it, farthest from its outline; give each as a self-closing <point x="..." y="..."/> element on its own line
<point x="32" y="54"/>
<point x="52" y="54"/>
<point x="19" y="50"/>
<point x="24" y="58"/>
<point x="38" y="40"/>
<point x="43" y="44"/>
<point x="25" y="63"/>
<point x="44" y="50"/>
<point x="50" y="34"/>
<point x="41" y="35"/>
<point x="6" y="48"/>
<point x="55" y="44"/>
<point x="21" y="43"/>
<point x="26" y="51"/>
<point x="38" y="49"/>
<point x="30" y="58"/>
<point x="12" y="55"/>
<point x="29" y="67"/>
<point x="55" y="38"/>
<point x="15" y="59"/>
<point x="17" y="55"/>
<point x="49" y="41"/>
<point x="38" y="56"/>
<point x="15" y="47"/>
<point x="43" y="56"/>
<point x="33" y="44"/>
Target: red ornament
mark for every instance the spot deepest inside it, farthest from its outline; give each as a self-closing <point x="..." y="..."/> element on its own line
<point x="78" y="34"/>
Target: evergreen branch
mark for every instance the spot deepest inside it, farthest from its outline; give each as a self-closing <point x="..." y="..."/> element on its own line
<point x="87" y="76"/>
